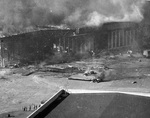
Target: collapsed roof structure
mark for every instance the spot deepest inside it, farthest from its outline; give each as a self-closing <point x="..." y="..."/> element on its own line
<point x="39" y="43"/>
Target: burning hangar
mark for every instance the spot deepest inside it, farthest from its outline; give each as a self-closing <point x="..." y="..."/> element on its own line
<point x="37" y="45"/>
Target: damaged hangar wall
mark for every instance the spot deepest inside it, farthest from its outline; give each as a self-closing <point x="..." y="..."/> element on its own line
<point x="34" y="47"/>
<point x="30" y="47"/>
<point x="127" y="35"/>
<point x="81" y="43"/>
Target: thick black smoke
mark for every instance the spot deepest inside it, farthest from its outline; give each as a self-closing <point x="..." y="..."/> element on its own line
<point x="24" y="15"/>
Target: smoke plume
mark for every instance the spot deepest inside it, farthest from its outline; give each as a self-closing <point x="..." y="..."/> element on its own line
<point x="22" y="15"/>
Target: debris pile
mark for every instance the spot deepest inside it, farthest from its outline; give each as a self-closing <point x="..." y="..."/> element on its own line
<point x="68" y="69"/>
<point x="29" y="70"/>
<point x="91" y="74"/>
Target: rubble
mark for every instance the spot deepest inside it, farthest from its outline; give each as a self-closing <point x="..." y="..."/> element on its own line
<point x="27" y="73"/>
<point x="81" y="77"/>
<point x="130" y="53"/>
<point x="89" y="71"/>
<point x="29" y="70"/>
<point x="91" y="74"/>
<point x="13" y="66"/>
<point x="99" y="77"/>
<point x="68" y="69"/>
<point x="24" y="71"/>
<point x="146" y="53"/>
<point x="112" y="57"/>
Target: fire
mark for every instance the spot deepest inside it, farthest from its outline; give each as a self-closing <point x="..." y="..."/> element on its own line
<point x="18" y="15"/>
<point x="130" y="13"/>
